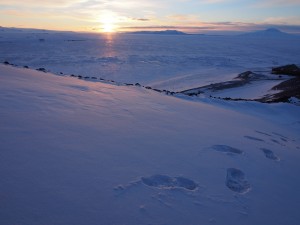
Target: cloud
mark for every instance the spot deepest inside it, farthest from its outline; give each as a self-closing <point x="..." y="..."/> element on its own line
<point x="278" y="3"/>
<point x="135" y="14"/>
<point x="34" y="3"/>
<point x="204" y="27"/>
<point x="140" y="19"/>
<point x="183" y="17"/>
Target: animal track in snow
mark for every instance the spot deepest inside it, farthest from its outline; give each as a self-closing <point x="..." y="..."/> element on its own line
<point x="254" y="138"/>
<point x="166" y="182"/>
<point x="227" y="149"/>
<point x="235" y="181"/>
<point x="270" y="154"/>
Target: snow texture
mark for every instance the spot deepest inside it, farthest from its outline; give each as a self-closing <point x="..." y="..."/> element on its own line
<point x="79" y="152"/>
<point x="80" y="147"/>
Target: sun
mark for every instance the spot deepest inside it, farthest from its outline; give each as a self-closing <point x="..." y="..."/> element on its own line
<point x="108" y="24"/>
<point x="108" y="28"/>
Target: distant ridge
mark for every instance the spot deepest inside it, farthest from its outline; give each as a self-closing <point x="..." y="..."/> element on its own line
<point x="268" y="33"/>
<point x="164" y="32"/>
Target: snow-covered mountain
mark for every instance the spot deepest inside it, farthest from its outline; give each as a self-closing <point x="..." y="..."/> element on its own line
<point x="88" y="153"/>
<point x="268" y="33"/>
<point x="163" y="32"/>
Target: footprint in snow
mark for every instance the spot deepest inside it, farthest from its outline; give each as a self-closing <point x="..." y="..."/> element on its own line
<point x="277" y="142"/>
<point x="266" y="134"/>
<point x="254" y="138"/>
<point x="227" y="149"/>
<point x="166" y="182"/>
<point x="235" y="181"/>
<point x="279" y="135"/>
<point x="270" y="154"/>
<point x="284" y="139"/>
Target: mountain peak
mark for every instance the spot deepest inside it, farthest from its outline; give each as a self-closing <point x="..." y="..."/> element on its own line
<point x="267" y="33"/>
<point x="272" y="30"/>
<point x="164" y="32"/>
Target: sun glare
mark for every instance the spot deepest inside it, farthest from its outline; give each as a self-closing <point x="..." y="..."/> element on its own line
<point x="108" y="28"/>
<point x="108" y="24"/>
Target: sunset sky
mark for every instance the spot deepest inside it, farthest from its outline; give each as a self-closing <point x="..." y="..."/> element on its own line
<point x="194" y="16"/>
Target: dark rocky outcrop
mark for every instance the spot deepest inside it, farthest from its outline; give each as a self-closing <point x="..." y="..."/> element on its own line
<point x="241" y="80"/>
<point x="291" y="69"/>
<point x="157" y="90"/>
<point x="249" y="76"/>
<point x="42" y="70"/>
<point x="289" y="88"/>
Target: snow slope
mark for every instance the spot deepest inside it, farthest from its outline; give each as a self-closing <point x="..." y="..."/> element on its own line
<point x="78" y="152"/>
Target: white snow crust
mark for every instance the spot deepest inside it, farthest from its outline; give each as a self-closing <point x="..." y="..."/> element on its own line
<point x="86" y="153"/>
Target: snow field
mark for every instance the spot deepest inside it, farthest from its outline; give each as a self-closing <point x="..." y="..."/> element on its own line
<point x="77" y="152"/>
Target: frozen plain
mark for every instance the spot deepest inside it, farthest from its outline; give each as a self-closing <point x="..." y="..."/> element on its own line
<point x="78" y="152"/>
<point x="172" y="62"/>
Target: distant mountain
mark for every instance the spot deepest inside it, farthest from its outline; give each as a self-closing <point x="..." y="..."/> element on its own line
<point x="164" y="32"/>
<point x="25" y="30"/>
<point x="268" y="33"/>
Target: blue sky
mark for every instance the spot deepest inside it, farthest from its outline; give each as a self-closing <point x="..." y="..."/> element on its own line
<point x="195" y="16"/>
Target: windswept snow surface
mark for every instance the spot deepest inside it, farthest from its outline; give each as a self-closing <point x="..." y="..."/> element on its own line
<point x="172" y="62"/>
<point x="85" y="153"/>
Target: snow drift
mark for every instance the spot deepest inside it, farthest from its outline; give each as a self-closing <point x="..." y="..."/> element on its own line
<point x="77" y="152"/>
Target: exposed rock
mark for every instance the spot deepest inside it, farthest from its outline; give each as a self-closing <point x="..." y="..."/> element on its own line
<point x="249" y="75"/>
<point x="291" y="69"/>
<point x="289" y="88"/>
<point x="42" y="70"/>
